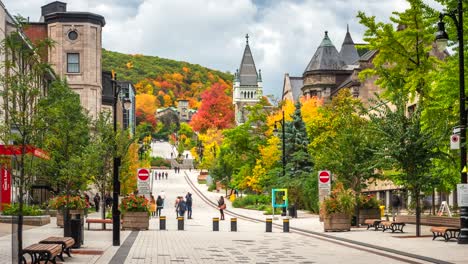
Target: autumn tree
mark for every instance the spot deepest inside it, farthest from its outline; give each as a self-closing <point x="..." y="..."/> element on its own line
<point x="146" y="109"/>
<point x="216" y="110"/>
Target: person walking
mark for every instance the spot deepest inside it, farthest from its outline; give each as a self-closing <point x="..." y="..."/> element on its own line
<point x="108" y="200"/>
<point x="159" y="205"/>
<point x="97" y="200"/>
<point x="159" y="175"/>
<point x="163" y="196"/>
<point x="176" y="205"/>
<point x="395" y="206"/>
<point x="166" y="175"/>
<point x="152" y="206"/>
<point x="188" y="202"/>
<point x="221" y="206"/>
<point x="181" y="206"/>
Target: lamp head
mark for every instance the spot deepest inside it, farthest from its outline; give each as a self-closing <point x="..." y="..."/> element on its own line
<point x="127" y="103"/>
<point x="275" y="129"/>
<point x="441" y="37"/>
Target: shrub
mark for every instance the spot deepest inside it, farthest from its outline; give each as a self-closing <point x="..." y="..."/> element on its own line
<point x="212" y="187"/>
<point x="367" y="202"/>
<point x="13" y="209"/>
<point x="340" y="201"/>
<point x="252" y="201"/>
<point x="160" y="162"/>
<point x="73" y="202"/>
<point x="134" y="203"/>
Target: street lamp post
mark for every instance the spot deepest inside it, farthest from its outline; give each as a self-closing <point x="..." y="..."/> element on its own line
<point x="283" y="135"/>
<point x="441" y="41"/>
<point x="116" y="164"/>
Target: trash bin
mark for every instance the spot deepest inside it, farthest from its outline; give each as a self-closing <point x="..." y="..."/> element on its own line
<point x="382" y="211"/>
<point x="283" y="212"/>
<point x="354" y="221"/>
<point x="76" y="231"/>
<point x="292" y="211"/>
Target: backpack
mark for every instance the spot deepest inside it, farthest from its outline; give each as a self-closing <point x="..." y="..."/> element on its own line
<point x="182" y="206"/>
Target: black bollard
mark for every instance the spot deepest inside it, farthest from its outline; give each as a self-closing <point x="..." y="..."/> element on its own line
<point x="233" y="224"/>
<point x="215" y="223"/>
<point x="269" y="224"/>
<point x="180" y="223"/>
<point x="286" y="225"/>
<point x="162" y="223"/>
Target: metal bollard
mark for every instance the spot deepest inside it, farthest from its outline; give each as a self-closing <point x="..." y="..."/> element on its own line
<point x="269" y="224"/>
<point x="215" y="223"/>
<point x="162" y="223"/>
<point x="180" y="223"/>
<point x="286" y="225"/>
<point x="233" y="224"/>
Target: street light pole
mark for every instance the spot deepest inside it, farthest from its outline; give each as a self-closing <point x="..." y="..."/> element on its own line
<point x="284" y="144"/>
<point x="441" y="40"/>
<point x="116" y="182"/>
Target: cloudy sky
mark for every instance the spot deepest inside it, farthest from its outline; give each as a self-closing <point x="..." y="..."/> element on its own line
<point x="284" y="34"/>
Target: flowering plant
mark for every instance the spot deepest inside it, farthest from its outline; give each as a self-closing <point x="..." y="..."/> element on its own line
<point x="134" y="203"/>
<point x="73" y="202"/>
<point x="341" y="200"/>
<point x="367" y="202"/>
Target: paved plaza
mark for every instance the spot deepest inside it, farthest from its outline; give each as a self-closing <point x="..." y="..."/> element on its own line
<point x="251" y="244"/>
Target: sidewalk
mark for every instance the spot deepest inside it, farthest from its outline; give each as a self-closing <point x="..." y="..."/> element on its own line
<point x="406" y="242"/>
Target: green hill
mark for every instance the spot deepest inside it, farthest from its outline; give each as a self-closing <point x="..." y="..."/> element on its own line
<point x="162" y="74"/>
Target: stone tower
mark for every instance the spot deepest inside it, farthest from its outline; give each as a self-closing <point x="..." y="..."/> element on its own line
<point x="248" y="86"/>
<point x="76" y="54"/>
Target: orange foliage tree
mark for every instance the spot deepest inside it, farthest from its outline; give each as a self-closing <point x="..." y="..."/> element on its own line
<point x="216" y="110"/>
<point x="146" y="109"/>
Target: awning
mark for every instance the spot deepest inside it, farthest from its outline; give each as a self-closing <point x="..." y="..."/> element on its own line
<point x="11" y="150"/>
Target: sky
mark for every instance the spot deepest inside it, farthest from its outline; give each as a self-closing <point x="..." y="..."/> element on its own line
<point x="284" y="34"/>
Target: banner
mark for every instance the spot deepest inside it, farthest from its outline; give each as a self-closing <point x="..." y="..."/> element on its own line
<point x="6" y="187"/>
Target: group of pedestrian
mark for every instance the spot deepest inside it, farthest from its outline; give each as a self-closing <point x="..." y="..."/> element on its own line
<point x="177" y="169"/>
<point x="156" y="205"/>
<point x="183" y="205"/>
<point x="160" y="175"/>
<point x="97" y="201"/>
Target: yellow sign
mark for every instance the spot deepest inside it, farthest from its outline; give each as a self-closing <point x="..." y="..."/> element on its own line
<point x="464" y="169"/>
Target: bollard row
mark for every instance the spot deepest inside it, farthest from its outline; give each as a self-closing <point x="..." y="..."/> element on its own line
<point x="180" y="224"/>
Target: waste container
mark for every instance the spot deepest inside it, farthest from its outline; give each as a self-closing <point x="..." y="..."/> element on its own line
<point x="283" y="212"/>
<point x="382" y="211"/>
<point x="292" y="211"/>
<point x="76" y="227"/>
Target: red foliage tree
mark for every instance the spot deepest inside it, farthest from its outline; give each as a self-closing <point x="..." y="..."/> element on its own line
<point x="216" y="110"/>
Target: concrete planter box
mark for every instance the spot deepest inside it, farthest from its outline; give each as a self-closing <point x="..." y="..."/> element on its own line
<point x="38" y="220"/>
<point x="368" y="214"/>
<point x="430" y="220"/>
<point x="73" y="214"/>
<point x="337" y="222"/>
<point x="135" y="221"/>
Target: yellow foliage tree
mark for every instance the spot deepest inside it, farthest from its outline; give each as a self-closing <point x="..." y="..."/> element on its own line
<point x="128" y="171"/>
<point x="288" y="108"/>
<point x="269" y="156"/>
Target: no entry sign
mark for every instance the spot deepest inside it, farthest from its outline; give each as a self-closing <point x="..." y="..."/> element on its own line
<point x="143" y="174"/>
<point x="324" y="177"/>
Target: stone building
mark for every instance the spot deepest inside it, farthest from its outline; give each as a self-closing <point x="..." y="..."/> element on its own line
<point x="248" y="85"/>
<point x="76" y="53"/>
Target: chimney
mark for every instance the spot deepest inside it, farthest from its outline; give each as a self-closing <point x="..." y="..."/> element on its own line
<point x="53" y="7"/>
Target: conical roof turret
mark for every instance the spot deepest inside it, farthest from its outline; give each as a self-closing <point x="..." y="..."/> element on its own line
<point x="348" y="50"/>
<point x="326" y="57"/>
<point x="248" y="72"/>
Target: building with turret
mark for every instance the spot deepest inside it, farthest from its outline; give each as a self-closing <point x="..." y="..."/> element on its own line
<point x="248" y="86"/>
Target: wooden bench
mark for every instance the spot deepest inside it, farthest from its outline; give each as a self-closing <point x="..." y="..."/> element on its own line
<point x="394" y="226"/>
<point x="446" y="232"/>
<point x="42" y="252"/>
<point x="98" y="221"/>
<point x="375" y="223"/>
<point x="66" y="242"/>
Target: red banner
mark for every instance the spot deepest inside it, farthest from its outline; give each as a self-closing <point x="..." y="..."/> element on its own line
<point x="6" y="187"/>
<point x="11" y="150"/>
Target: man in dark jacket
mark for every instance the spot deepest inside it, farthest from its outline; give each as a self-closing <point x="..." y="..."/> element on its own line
<point x="188" y="202"/>
<point x="97" y="200"/>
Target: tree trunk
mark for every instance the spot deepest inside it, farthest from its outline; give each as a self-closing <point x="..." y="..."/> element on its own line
<point x="433" y="201"/>
<point x="418" y="213"/>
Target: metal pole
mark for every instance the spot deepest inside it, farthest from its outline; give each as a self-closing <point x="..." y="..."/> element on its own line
<point x="116" y="183"/>
<point x="284" y="147"/>
<point x="463" y="238"/>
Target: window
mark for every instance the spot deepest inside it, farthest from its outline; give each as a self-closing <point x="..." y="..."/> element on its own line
<point x="73" y="62"/>
<point x="72" y="35"/>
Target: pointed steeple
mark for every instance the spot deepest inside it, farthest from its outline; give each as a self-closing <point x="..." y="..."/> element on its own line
<point x="326" y="57"/>
<point x="248" y="72"/>
<point x="348" y="50"/>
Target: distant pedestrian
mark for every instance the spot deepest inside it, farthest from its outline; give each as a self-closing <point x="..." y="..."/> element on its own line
<point x="108" y="200"/>
<point x="172" y="154"/>
<point x="175" y="169"/>
<point x="176" y="205"/>
<point x="181" y="206"/>
<point x="186" y="156"/>
<point x="97" y="200"/>
<point x="159" y="175"/>
<point x="190" y="169"/>
<point x="159" y="205"/>
<point x="188" y="202"/>
<point x="153" y="206"/>
<point x="155" y="175"/>
<point x="221" y="206"/>
<point x="166" y="175"/>
<point x="163" y="196"/>
<point x="395" y="206"/>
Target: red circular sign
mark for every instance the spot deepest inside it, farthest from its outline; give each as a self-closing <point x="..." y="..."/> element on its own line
<point x="455" y="138"/>
<point x="143" y="174"/>
<point x="324" y="176"/>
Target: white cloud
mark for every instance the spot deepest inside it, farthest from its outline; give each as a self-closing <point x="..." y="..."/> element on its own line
<point x="284" y="34"/>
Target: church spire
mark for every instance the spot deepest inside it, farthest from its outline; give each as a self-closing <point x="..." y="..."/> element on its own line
<point x="348" y="50"/>
<point x="247" y="71"/>
<point x="246" y="39"/>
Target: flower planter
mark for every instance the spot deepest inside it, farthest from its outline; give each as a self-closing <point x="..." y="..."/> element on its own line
<point x="38" y="220"/>
<point x="135" y="221"/>
<point x="368" y="214"/>
<point x="337" y="222"/>
<point x="73" y="213"/>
